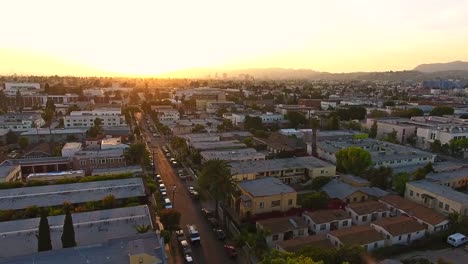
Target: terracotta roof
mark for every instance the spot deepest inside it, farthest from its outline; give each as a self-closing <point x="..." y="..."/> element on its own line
<point x="326" y="216"/>
<point x="316" y="241"/>
<point x="414" y="210"/>
<point x="282" y="224"/>
<point x="368" y="207"/>
<point x="357" y="235"/>
<point x="399" y="225"/>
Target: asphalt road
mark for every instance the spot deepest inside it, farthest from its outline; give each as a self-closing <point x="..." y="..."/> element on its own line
<point x="211" y="249"/>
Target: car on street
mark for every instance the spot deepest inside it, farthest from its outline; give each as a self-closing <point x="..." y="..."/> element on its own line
<point x="160" y="181"/>
<point x="164" y="194"/>
<point x="189" y="259"/>
<point x="185" y="247"/>
<point x="193" y="234"/>
<point x="230" y="251"/>
<point x="167" y="203"/>
<point x="220" y="235"/>
<point x="180" y="235"/>
<point x="162" y="188"/>
<point x="206" y="213"/>
<point x="158" y="177"/>
<point x="168" y="154"/>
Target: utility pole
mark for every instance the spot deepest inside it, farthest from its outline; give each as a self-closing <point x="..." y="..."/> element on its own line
<point x="173" y="195"/>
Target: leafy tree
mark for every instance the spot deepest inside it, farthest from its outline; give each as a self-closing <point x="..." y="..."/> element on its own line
<point x="379" y="177"/>
<point x="421" y="173"/>
<point x="408" y="113"/>
<point x="136" y="154"/>
<point x="43" y="237"/>
<point x="96" y="129"/>
<point x="215" y="176"/>
<point x="354" y="160"/>
<point x="391" y="137"/>
<point x="373" y="130"/>
<point x="248" y="141"/>
<point x="333" y="122"/>
<point x="253" y="123"/>
<point x="11" y="137"/>
<point x="282" y="257"/>
<point x="389" y="103"/>
<point x="68" y="235"/>
<point x="296" y="119"/>
<point x="179" y="145"/>
<point x="170" y="218"/>
<point x="319" y="182"/>
<point x="226" y="126"/>
<point x="31" y="211"/>
<point x="399" y="182"/>
<point x="377" y="114"/>
<point x="314" y="200"/>
<point x="23" y="142"/>
<point x="198" y="129"/>
<point x="442" y="110"/>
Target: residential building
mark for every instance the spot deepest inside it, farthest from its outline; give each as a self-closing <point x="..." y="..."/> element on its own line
<point x="88" y="160"/>
<point x="382" y="153"/>
<point x="167" y="114"/>
<point x="432" y="220"/>
<point x="278" y="143"/>
<point x="90" y="228"/>
<point x="354" y="181"/>
<point x="315" y="103"/>
<point x="136" y="170"/>
<point x="10" y="172"/>
<point x="399" y="230"/>
<point x="11" y="89"/>
<point x="295" y="244"/>
<point x="366" y="212"/>
<point x="113" y="143"/>
<point x="285" y="109"/>
<point x="56" y="175"/>
<point x="364" y="236"/>
<point x="37" y="165"/>
<point x="439" y="197"/>
<point x="38" y="135"/>
<point x="85" y="119"/>
<point x="145" y="248"/>
<point x="455" y="178"/>
<point x="217" y="145"/>
<point x="336" y="189"/>
<point x="264" y="195"/>
<point x="213" y="107"/>
<point x="70" y="149"/>
<point x="288" y="170"/>
<point x="402" y="127"/>
<point x="282" y="229"/>
<point x="21" y="121"/>
<point x="329" y="104"/>
<point x="267" y="118"/>
<point x="324" y="221"/>
<point x="75" y="193"/>
<point x="243" y="154"/>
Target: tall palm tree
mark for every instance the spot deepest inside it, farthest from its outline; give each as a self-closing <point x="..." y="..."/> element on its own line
<point x="215" y="176"/>
<point x="315" y="122"/>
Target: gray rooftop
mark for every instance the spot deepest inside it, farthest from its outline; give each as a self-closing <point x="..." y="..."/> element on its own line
<point x="441" y="190"/>
<point x="90" y="228"/>
<point x="265" y="187"/>
<point x="106" y="153"/>
<point x="46" y="131"/>
<point x="229" y="144"/>
<point x="126" y="169"/>
<point x="50" y="195"/>
<point x="5" y="169"/>
<point x="256" y="166"/>
<point x="461" y="173"/>
<point x="35" y="161"/>
<point x="246" y="153"/>
<point x="339" y="189"/>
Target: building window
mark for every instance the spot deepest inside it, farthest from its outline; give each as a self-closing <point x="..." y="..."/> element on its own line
<point x="345" y="223"/>
<point x="261" y="205"/>
<point x="275" y="203"/>
<point x="411" y="193"/>
<point x="447" y="207"/>
<point x="275" y="237"/>
<point x="375" y="245"/>
<point x="399" y="238"/>
<point x="384" y="214"/>
<point x="441" y="204"/>
<point x="300" y="232"/>
<point x="290" y="202"/>
<point x="364" y="218"/>
<point x="323" y="227"/>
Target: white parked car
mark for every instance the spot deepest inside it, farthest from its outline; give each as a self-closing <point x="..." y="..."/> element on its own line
<point x="457" y="239"/>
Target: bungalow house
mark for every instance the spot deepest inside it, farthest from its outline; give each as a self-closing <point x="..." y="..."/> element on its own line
<point x="366" y="212"/>
<point x="316" y="241"/>
<point x="432" y="220"/>
<point x="364" y="236"/>
<point x="283" y="229"/>
<point x="324" y="221"/>
<point x="347" y="193"/>
<point x="399" y="230"/>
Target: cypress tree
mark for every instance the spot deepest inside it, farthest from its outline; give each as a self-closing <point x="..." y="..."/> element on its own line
<point x="43" y="239"/>
<point x="68" y="235"/>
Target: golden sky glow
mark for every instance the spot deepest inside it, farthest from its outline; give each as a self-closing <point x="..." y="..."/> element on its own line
<point x="139" y="37"/>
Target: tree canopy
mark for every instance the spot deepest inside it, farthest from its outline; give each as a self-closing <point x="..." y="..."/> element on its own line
<point x="43" y="238"/>
<point x="354" y="160"/>
<point x="296" y="119"/>
<point x="170" y="218"/>
<point x="68" y="235"/>
<point x="442" y="110"/>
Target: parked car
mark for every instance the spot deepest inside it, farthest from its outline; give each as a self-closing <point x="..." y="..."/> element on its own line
<point x="230" y="251"/>
<point x="206" y="213"/>
<point x="220" y="234"/>
<point x="189" y="259"/>
<point x="180" y="235"/>
<point x="162" y="188"/>
<point x="164" y="194"/>
<point x="457" y="239"/>
<point x="193" y="234"/>
<point x="167" y="203"/>
<point x="185" y="247"/>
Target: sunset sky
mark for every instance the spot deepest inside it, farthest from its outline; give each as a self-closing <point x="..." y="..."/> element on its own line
<point x="139" y="37"/>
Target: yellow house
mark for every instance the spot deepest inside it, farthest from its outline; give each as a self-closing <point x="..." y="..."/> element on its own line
<point x="264" y="195"/>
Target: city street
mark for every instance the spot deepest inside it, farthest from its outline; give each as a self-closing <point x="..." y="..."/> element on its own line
<point x="211" y="249"/>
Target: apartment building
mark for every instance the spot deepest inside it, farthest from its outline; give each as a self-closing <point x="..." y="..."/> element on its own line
<point x="288" y="170"/>
<point x="364" y="236"/>
<point x="324" y="221"/>
<point x="401" y="126"/>
<point x="267" y="118"/>
<point x="263" y="195"/>
<point x="85" y="119"/>
<point x="243" y="154"/>
<point x="88" y="160"/>
<point x="401" y="230"/>
<point x="438" y="197"/>
<point x="282" y="229"/>
<point x="21" y="121"/>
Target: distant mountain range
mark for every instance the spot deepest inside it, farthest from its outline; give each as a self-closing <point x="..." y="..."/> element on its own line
<point x="439" y="67"/>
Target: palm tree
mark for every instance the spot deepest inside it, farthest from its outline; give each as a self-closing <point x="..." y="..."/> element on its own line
<point x="215" y="176"/>
<point x="315" y="125"/>
<point x="143" y="228"/>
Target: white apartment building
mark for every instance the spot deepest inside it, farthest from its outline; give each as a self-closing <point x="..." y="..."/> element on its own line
<point x="168" y="115"/>
<point x="268" y="118"/>
<point x="11" y="89"/>
<point x="21" y="121"/>
<point x="109" y="118"/>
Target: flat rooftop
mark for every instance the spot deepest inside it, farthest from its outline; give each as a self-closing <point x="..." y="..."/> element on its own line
<point x="256" y="166"/>
<point x="235" y="154"/>
<point x="448" y="175"/>
<point x="90" y="228"/>
<point x="126" y="169"/>
<point x="104" y="153"/>
<point x="46" y="131"/>
<point x="72" y="146"/>
<point x="218" y="145"/>
<point x="441" y="190"/>
<point x="37" y="161"/>
<point x="265" y="187"/>
<point x="50" y="195"/>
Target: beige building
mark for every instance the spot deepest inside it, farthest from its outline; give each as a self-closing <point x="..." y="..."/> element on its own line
<point x="324" y="221"/>
<point x="399" y="230"/>
<point x="288" y="170"/>
<point x="10" y="172"/>
<point x="263" y="195"/>
<point x="283" y="229"/>
<point x="366" y="212"/>
<point x="438" y="197"/>
<point x="364" y="236"/>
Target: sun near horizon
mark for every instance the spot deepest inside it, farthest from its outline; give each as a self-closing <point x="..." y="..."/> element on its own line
<point x="150" y="38"/>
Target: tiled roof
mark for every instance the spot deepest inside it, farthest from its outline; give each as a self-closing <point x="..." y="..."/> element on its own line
<point x="414" y="210"/>
<point x="326" y="216"/>
<point x="357" y="235"/>
<point x="399" y="225"/>
<point x="367" y="207"/>
<point x="316" y="241"/>
<point x="282" y="224"/>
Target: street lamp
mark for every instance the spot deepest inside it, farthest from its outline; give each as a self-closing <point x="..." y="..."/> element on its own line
<point x="174" y="188"/>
